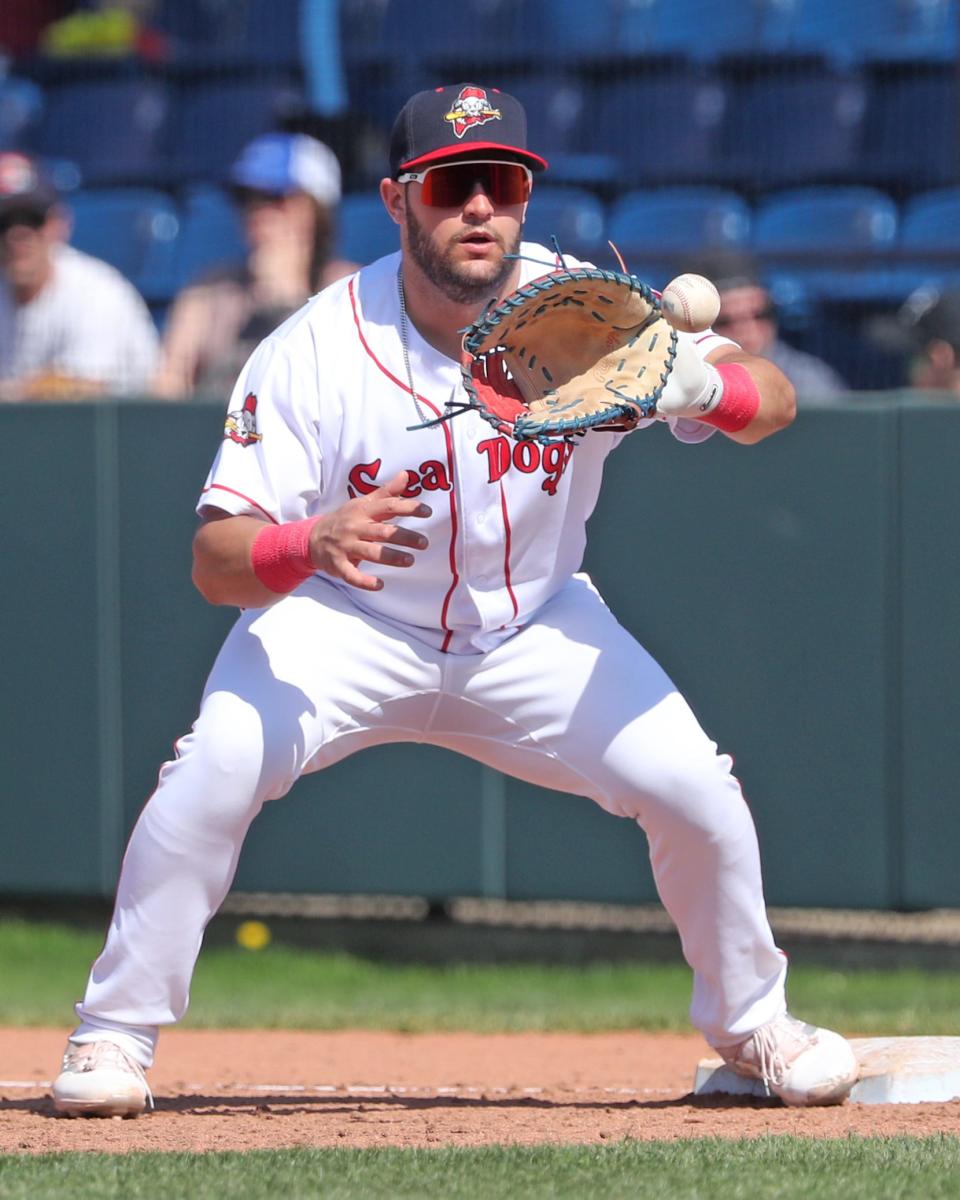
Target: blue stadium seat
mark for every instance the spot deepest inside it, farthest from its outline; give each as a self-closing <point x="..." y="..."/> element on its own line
<point x="929" y="243"/>
<point x="931" y="220"/>
<point x="672" y="225"/>
<point x="680" y="219"/>
<point x="271" y="33"/>
<point x="911" y="128"/>
<point x="569" y="30"/>
<point x="575" y="216"/>
<point x="468" y="32"/>
<point x="377" y="91"/>
<point x="554" y="104"/>
<point x="850" y="32"/>
<point x="831" y="27"/>
<point x="254" y="33"/>
<point x="193" y="23"/>
<point x="365" y="231"/>
<point x="113" y="128"/>
<point x="791" y="126"/>
<point x="825" y="218"/>
<point x="211" y="234"/>
<point x="835" y="241"/>
<point x="556" y="108"/>
<point x="21" y="105"/>
<point x="214" y="117"/>
<point x="700" y="29"/>
<point x="662" y="121"/>
<point x="133" y="229"/>
<point x="572" y="30"/>
<point x="928" y="30"/>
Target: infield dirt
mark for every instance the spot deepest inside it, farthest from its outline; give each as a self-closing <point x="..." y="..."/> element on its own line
<point x="244" y="1090"/>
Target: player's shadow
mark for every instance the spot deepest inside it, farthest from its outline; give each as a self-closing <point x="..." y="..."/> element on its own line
<point x="337" y="1104"/>
<point x="283" y="1104"/>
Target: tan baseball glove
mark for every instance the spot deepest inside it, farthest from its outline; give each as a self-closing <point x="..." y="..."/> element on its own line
<point x="577" y="349"/>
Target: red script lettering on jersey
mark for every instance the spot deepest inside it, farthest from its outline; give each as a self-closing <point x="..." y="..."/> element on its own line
<point x="430" y="476"/>
<point x="502" y="454"/>
<point x="526" y="457"/>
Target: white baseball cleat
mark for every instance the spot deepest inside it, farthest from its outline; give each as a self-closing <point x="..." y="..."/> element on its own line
<point x="800" y="1063"/>
<point x="99" y="1079"/>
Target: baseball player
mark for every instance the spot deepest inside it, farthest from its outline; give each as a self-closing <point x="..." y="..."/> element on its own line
<point x="407" y="579"/>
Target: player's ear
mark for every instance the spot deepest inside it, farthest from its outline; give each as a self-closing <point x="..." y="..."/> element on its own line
<point x="393" y="196"/>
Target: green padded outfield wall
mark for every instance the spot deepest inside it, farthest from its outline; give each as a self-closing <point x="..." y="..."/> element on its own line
<point x="801" y="593"/>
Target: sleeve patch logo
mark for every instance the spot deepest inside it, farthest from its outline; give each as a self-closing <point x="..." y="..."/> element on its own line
<point x="241" y="426"/>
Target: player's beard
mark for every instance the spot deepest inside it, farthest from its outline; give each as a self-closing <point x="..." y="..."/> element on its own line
<point x="450" y="278"/>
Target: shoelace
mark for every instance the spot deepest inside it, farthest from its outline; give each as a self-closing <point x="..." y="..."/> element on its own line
<point x="770" y="1059"/>
<point x="91" y="1056"/>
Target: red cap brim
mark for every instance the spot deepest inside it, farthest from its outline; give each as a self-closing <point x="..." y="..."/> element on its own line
<point x="474" y="150"/>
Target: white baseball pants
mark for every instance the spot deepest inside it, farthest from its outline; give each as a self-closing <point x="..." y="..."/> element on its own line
<point x="570" y="702"/>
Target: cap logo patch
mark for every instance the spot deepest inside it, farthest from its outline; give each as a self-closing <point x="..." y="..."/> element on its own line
<point x="241" y="425"/>
<point x="471" y="108"/>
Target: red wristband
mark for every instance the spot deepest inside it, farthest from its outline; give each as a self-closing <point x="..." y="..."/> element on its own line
<point x="280" y="555"/>
<point x="740" y="401"/>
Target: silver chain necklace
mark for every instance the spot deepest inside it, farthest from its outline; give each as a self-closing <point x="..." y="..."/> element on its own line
<point x="405" y="346"/>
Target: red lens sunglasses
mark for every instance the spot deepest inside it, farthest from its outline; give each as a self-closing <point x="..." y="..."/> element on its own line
<point x="450" y="185"/>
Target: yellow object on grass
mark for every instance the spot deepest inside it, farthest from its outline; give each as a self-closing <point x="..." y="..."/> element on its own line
<point x="253" y="935"/>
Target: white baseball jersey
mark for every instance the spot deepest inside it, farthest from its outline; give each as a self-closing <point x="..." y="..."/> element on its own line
<point x="323" y="412"/>
<point x="571" y="701"/>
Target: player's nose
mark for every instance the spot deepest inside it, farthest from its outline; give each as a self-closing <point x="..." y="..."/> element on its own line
<point x="478" y="203"/>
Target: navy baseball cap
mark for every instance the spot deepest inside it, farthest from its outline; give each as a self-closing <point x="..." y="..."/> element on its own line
<point x="460" y="121"/>
<point x="24" y="188"/>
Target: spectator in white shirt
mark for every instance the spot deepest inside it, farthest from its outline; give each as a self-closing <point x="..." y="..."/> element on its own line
<point x="71" y="326"/>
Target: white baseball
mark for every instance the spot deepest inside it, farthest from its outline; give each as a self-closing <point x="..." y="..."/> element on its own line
<point x="690" y="303"/>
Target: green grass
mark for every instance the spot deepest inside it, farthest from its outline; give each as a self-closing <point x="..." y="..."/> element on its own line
<point x="45" y="968"/>
<point x="785" y="1168"/>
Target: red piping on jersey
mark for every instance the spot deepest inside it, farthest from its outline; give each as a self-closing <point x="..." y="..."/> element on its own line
<point x="448" y="632"/>
<point x="234" y="492"/>
<point x="506" y="549"/>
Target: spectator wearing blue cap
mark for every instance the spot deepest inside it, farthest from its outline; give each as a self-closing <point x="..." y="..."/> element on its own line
<point x="287" y="187"/>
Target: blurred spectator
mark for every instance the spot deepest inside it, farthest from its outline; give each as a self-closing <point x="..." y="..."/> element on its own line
<point x="288" y="189"/>
<point x="23" y="21"/>
<point x="748" y="316"/>
<point x="109" y="28"/>
<point x="926" y="332"/>
<point x="70" y="325"/>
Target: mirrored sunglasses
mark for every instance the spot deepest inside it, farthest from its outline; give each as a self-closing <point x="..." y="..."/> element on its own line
<point x="249" y="197"/>
<point x="27" y="218"/>
<point x="450" y="185"/>
<point x="763" y="314"/>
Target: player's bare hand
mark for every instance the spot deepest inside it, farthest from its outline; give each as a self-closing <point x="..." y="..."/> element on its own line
<point x="364" y="529"/>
